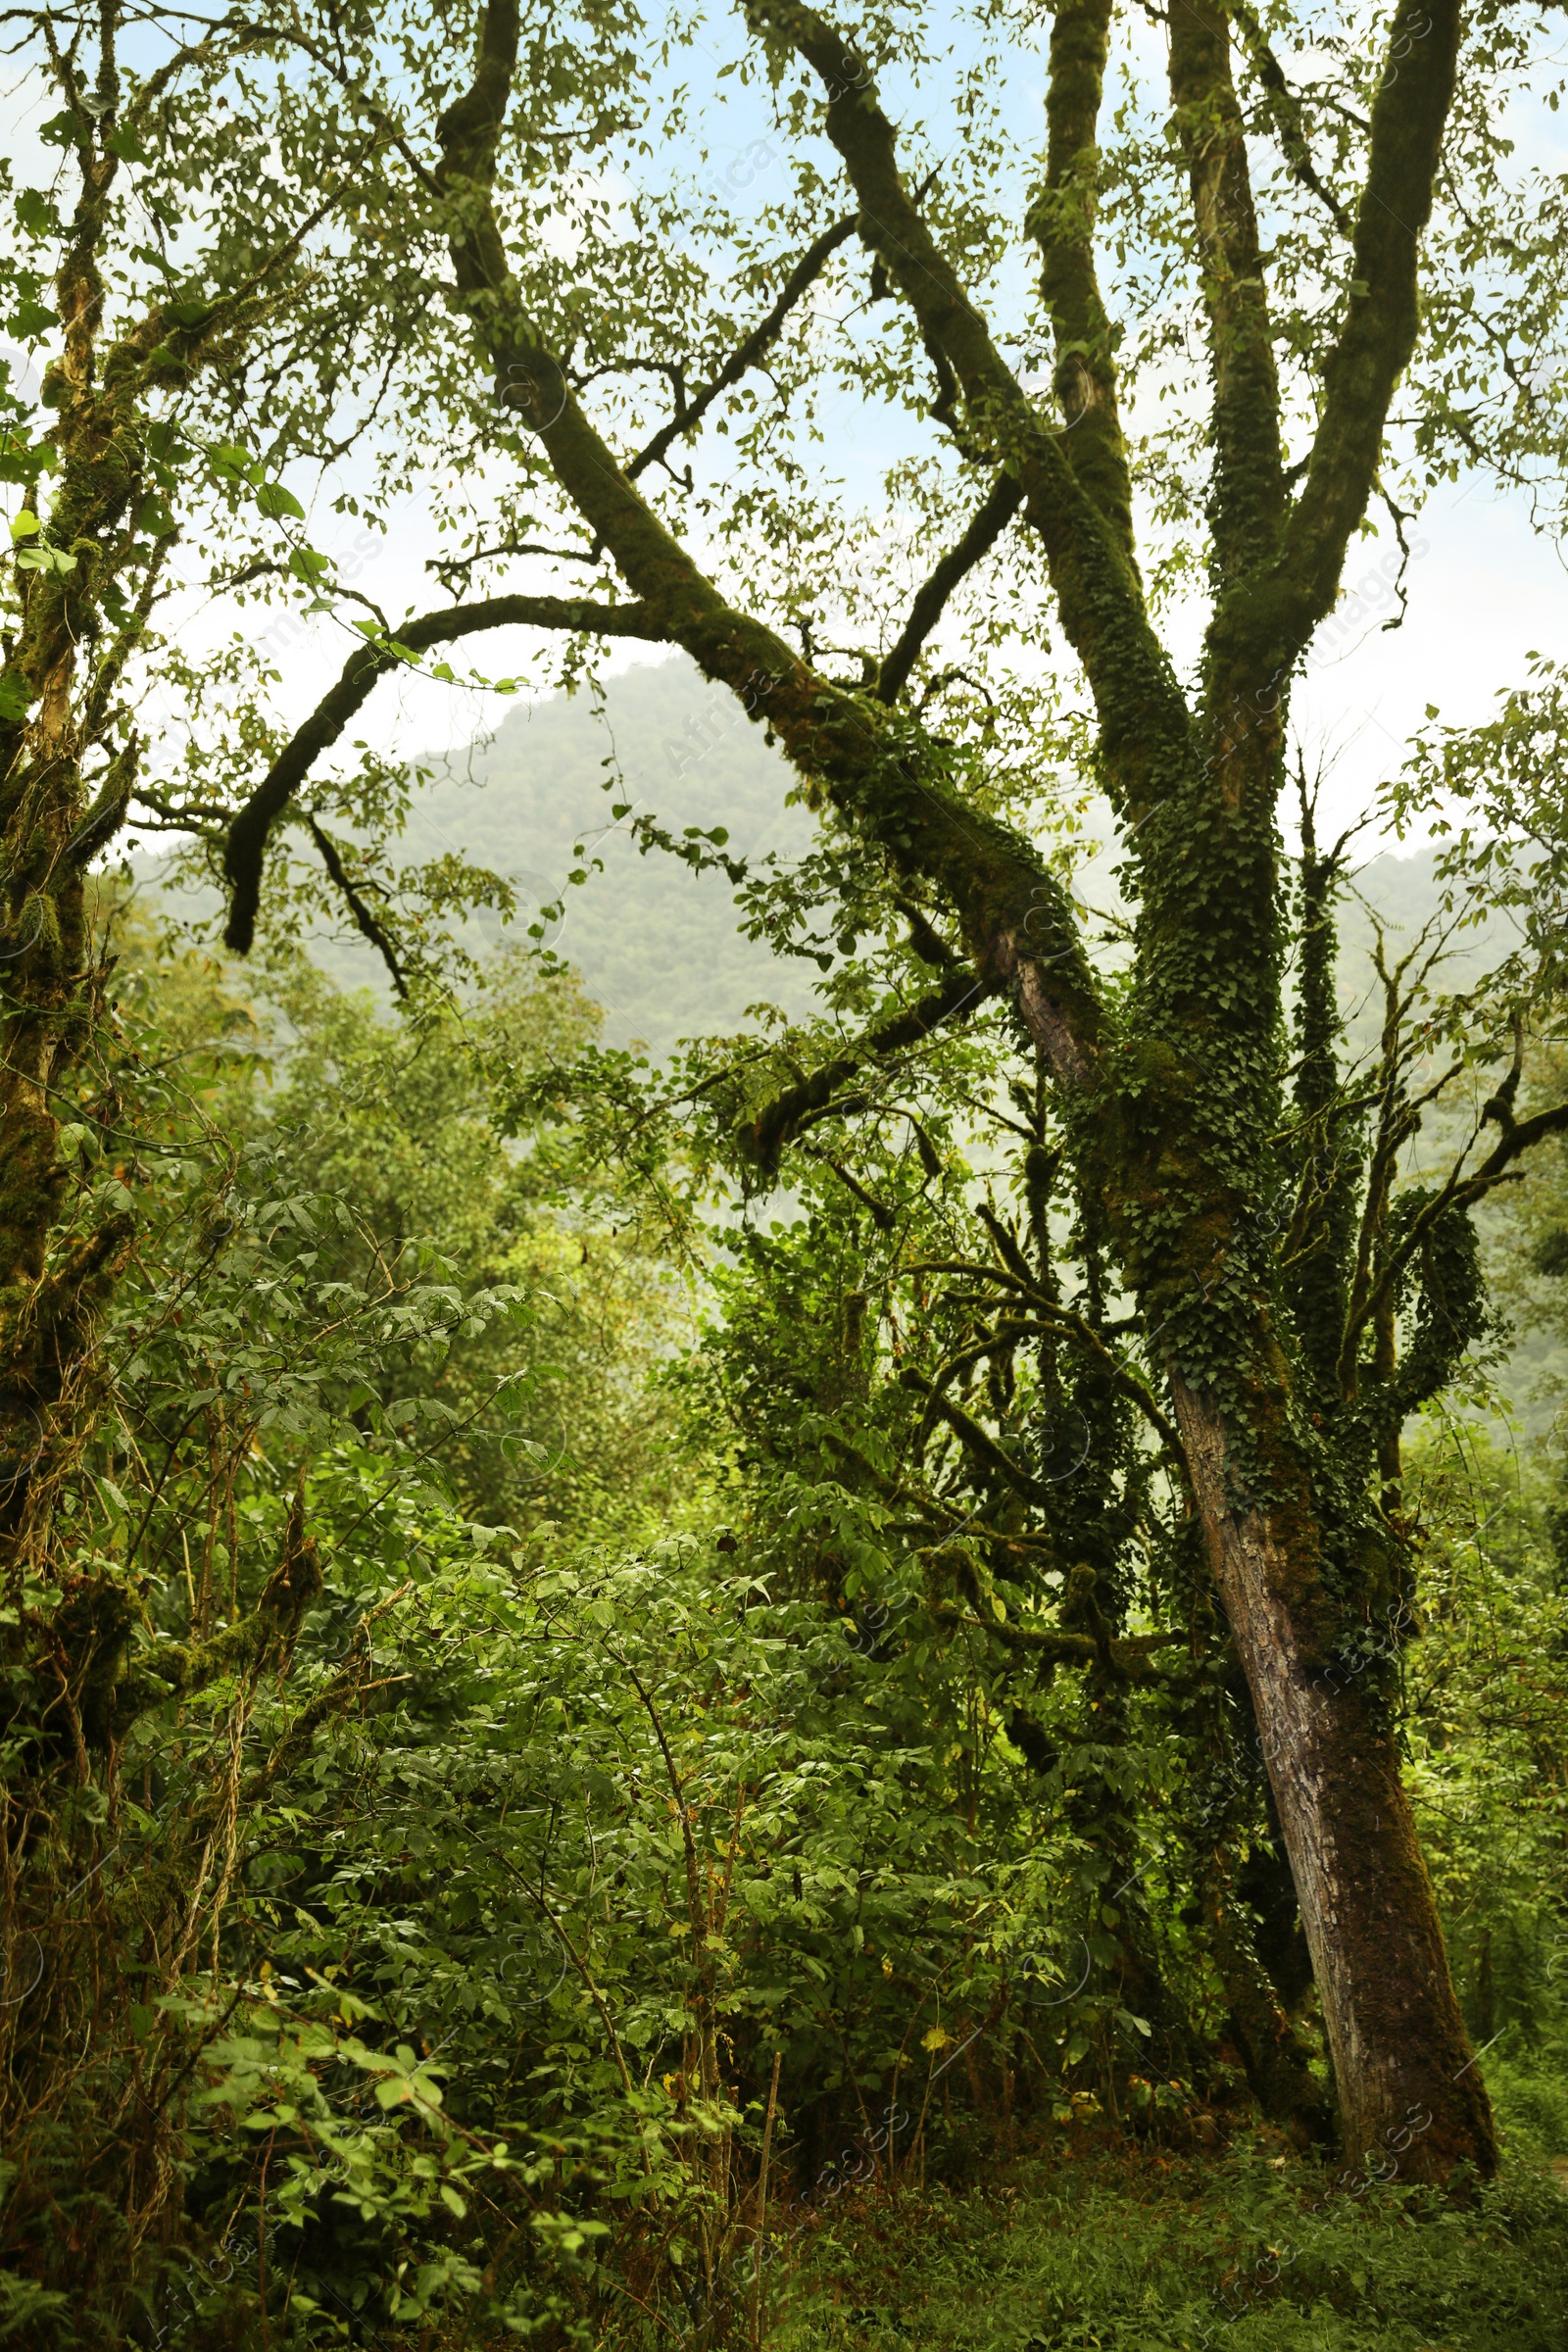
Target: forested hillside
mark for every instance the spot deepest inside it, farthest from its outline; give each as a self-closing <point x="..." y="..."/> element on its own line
<point x="655" y="943"/>
<point x="767" y="1575"/>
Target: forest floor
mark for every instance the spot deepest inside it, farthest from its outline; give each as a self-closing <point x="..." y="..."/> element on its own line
<point x="1137" y="2250"/>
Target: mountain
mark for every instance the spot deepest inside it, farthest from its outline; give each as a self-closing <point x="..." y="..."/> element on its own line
<point x="656" y="945"/>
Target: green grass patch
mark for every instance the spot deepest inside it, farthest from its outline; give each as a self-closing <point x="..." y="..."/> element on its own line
<point x="1243" y="2253"/>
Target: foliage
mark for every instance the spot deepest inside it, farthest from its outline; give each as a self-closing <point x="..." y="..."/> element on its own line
<point x="461" y="1883"/>
<point x="912" y="1745"/>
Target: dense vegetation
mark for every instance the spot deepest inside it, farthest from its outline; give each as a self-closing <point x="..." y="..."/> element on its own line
<point x="609" y="1773"/>
<point x="891" y="1675"/>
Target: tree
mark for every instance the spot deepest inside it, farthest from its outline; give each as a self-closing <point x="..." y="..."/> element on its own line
<point x="483" y="305"/>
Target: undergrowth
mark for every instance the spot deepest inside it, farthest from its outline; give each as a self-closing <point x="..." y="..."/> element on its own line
<point x="1128" y="2251"/>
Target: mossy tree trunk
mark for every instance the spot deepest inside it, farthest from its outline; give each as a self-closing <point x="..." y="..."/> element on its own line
<point x="90" y="546"/>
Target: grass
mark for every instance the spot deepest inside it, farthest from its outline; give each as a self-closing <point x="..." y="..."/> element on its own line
<point x="1139" y="2252"/>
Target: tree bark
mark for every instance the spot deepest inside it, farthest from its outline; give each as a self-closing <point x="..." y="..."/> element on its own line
<point x="1408" y="2079"/>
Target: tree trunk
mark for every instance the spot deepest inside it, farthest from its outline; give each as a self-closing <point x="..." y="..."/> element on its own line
<point x="1409" y="2085"/>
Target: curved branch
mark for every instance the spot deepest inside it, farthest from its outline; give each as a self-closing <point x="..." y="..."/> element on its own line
<point x="884" y="775"/>
<point x="1061" y="1319"/>
<point x="373" y="931"/>
<point x="246" y="847"/>
<point x="979" y="1442"/>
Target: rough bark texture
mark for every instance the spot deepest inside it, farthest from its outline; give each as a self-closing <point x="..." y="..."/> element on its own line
<point x="1403" y="2058"/>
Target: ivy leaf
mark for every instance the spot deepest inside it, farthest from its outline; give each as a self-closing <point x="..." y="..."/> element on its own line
<point x="29" y="320"/>
<point x="275" y="501"/>
<point x="36" y="215"/>
<point x="63" y="130"/>
<point x="123" y="142"/>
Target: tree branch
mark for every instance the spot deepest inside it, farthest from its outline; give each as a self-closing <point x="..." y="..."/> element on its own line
<point x="885" y="777"/>
<point x="1281" y="607"/>
<point x="373" y="931"/>
<point x="1129" y="1659"/>
<point x="764" y="1137"/>
<point x="805" y="275"/>
<point x="1289" y="120"/>
<point x="246" y="847"/>
<point x="1247" y="498"/>
<point x="1146" y="729"/>
<point x="1000" y="507"/>
<point x="1063" y="225"/>
<point x="1463" y="1191"/>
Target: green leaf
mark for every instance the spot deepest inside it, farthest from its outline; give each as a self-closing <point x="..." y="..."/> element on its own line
<point x="31" y="320"/>
<point x="15" y="698"/>
<point x="123" y="142"/>
<point x="273" y="500"/>
<point x="63" y="130"/>
<point x="36" y="215"/>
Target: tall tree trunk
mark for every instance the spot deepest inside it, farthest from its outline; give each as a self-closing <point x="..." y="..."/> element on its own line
<point x="1408" y="2079"/>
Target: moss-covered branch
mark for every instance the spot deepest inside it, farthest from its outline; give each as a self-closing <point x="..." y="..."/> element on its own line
<point x="245" y="850"/>
<point x="1277" y="614"/>
<point x="1061" y="222"/>
<point x="766" y="1136"/>
<point x="1247" y="496"/>
<point x="995" y="511"/>
<point x="1144" y="725"/>
<point x="755" y="347"/>
<point x="883" y="773"/>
